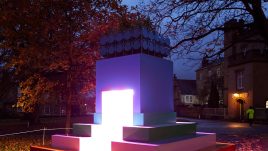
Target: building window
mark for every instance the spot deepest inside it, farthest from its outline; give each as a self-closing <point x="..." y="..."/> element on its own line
<point x="218" y="72"/>
<point x="240" y="80"/>
<point x="244" y="51"/>
<point x="234" y="51"/>
<point x="209" y="73"/>
<point x="46" y="109"/>
<point x="188" y="99"/>
<point x="267" y="104"/>
<point x="200" y="76"/>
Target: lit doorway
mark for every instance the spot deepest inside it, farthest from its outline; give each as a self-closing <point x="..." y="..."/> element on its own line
<point x="241" y="108"/>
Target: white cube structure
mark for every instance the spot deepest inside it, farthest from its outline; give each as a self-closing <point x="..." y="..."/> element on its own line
<point x="149" y="77"/>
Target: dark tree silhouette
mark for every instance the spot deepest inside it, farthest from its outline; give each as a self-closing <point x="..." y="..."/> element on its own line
<point x="213" y="100"/>
<point x="198" y="25"/>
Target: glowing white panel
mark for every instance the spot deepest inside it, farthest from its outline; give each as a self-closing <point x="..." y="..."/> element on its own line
<point x="117" y="107"/>
<point x="117" y="111"/>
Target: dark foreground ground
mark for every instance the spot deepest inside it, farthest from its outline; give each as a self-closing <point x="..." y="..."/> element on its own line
<point x="246" y="138"/>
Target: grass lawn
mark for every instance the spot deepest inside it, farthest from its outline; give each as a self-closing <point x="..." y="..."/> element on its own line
<point x="22" y="142"/>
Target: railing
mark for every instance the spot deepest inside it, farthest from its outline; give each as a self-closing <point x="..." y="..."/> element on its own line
<point x="261" y="113"/>
<point x="214" y="112"/>
<point x="199" y="112"/>
<point x="33" y="131"/>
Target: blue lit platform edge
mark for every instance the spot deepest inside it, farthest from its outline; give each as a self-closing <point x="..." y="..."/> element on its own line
<point x="158" y="132"/>
<point x="82" y="129"/>
<point x="142" y="119"/>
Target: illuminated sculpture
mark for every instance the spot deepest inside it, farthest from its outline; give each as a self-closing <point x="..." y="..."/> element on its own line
<point x="134" y="101"/>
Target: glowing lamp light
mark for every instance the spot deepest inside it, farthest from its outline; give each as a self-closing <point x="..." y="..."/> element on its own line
<point x="236" y="95"/>
<point x="117" y="111"/>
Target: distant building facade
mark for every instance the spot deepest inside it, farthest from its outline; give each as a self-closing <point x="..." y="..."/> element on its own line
<point x="210" y="71"/>
<point x="242" y="75"/>
<point x="185" y="92"/>
<point x="246" y="69"/>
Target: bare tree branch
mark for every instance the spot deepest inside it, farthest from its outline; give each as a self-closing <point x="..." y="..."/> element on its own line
<point x="192" y="23"/>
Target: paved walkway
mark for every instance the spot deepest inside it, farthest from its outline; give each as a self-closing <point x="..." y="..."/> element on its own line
<point x="245" y="137"/>
<point x="226" y="127"/>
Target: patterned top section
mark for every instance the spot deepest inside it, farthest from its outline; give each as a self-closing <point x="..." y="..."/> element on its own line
<point x="133" y="41"/>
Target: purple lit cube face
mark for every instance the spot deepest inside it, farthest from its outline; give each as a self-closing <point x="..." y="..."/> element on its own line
<point x="149" y="77"/>
<point x="118" y="74"/>
<point x="117" y="107"/>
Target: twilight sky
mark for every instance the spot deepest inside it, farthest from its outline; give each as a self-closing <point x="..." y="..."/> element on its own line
<point x="183" y="68"/>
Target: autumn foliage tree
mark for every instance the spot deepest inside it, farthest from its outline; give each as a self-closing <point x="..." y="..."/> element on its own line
<point x="213" y="100"/>
<point x="52" y="46"/>
<point x="42" y="39"/>
<point x="197" y="25"/>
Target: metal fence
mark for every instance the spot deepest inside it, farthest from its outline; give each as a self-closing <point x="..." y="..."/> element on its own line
<point x="218" y="113"/>
<point x="214" y="112"/>
<point x="261" y="113"/>
<point x="44" y="130"/>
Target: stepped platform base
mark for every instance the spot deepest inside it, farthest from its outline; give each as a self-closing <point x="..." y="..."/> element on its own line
<point x="217" y="147"/>
<point x="220" y="147"/>
<point x="197" y="142"/>
<point x="45" y="148"/>
<point x="190" y="143"/>
<point x="73" y="143"/>
<point x="159" y="132"/>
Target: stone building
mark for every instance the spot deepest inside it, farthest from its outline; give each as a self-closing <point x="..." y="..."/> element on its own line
<point x="185" y="92"/>
<point x="242" y="74"/>
<point x="210" y="71"/>
<point x="246" y="69"/>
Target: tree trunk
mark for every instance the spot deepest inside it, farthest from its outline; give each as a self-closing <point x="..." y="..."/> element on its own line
<point x="36" y="115"/>
<point x="68" y="104"/>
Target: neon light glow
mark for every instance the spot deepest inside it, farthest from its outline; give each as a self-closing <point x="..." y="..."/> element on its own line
<point x="117" y="111"/>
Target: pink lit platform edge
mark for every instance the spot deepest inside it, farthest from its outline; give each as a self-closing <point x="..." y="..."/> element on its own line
<point x="200" y="142"/>
<point x="190" y="143"/>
